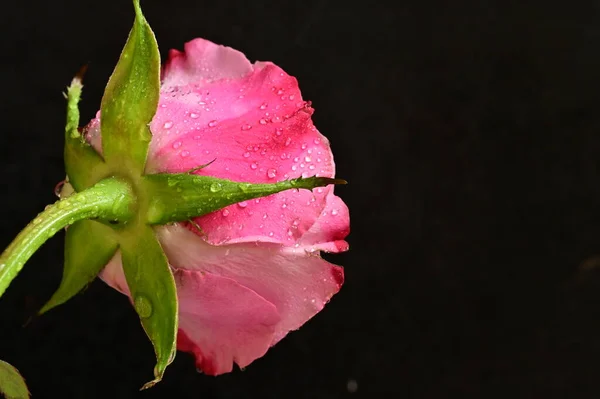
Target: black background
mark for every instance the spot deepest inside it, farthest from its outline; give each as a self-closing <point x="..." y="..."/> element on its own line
<point x="470" y="134"/>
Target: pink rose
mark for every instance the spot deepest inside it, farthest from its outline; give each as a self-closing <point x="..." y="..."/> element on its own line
<point x="256" y="272"/>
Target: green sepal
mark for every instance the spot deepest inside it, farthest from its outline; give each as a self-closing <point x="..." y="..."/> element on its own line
<point x="89" y="246"/>
<point x="130" y="100"/>
<point x="12" y="384"/>
<point x="153" y="292"/>
<point x="179" y="197"/>
<point x="84" y="166"/>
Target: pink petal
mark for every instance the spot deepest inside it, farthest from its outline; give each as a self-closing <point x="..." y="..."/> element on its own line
<point x="298" y="283"/>
<point x="204" y="61"/>
<point x="220" y="321"/>
<point x="255" y="134"/>
<point x="330" y="229"/>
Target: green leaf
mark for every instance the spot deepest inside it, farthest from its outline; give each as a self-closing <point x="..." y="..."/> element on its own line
<point x="84" y="166"/>
<point x="179" y="197"/>
<point x="89" y="246"/>
<point x="12" y="385"/>
<point x="130" y="100"/>
<point x="153" y="292"/>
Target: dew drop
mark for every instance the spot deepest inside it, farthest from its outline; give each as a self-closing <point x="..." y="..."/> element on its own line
<point x="168" y="124"/>
<point x="265" y="216"/>
<point x="303" y="146"/>
<point x="263" y="106"/>
<point x="184" y="154"/>
<point x="271" y="173"/>
<point x="262" y="121"/>
<point x="243" y="204"/>
<point x="246" y="127"/>
<point x="271" y="234"/>
<point x="194" y="115"/>
<point x="212" y="123"/>
<point x="279" y="131"/>
<point x="225" y="212"/>
<point x="253" y="165"/>
<point x="176" y="145"/>
<point x="246" y="154"/>
<point x="334" y="212"/>
<point x="288" y="141"/>
<point x="143" y="306"/>
<point x="317" y="141"/>
<point x="215" y="187"/>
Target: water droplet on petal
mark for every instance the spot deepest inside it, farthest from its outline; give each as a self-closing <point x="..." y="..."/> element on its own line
<point x="176" y="145"/>
<point x="143" y="306"/>
<point x="334" y="212"/>
<point x="317" y="141"/>
<point x="243" y="204"/>
<point x="303" y="146"/>
<point x="263" y="106"/>
<point x="263" y="121"/>
<point x="246" y="154"/>
<point x="288" y="141"/>
<point x="212" y="123"/>
<point x="184" y="154"/>
<point x="246" y="127"/>
<point x="265" y="216"/>
<point x="168" y="124"/>
<point x="225" y="212"/>
<point x="271" y="234"/>
<point x="253" y="165"/>
<point x="194" y="115"/>
<point x="271" y="173"/>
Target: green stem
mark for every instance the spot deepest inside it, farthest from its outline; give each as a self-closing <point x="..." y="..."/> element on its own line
<point x="110" y="200"/>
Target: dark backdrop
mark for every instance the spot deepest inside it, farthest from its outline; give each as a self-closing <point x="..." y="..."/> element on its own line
<point x="470" y="134"/>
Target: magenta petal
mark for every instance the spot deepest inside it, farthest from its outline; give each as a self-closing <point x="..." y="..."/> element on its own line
<point x="204" y="61"/>
<point x="221" y="321"/>
<point x="298" y="283"/>
<point x="256" y="129"/>
<point x="330" y="229"/>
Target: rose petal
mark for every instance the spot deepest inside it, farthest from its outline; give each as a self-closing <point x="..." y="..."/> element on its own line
<point x="220" y="321"/>
<point x="204" y="61"/>
<point x="330" y="229"/>
<point x="263" y="137"/>
<point x="299" y="284"/>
